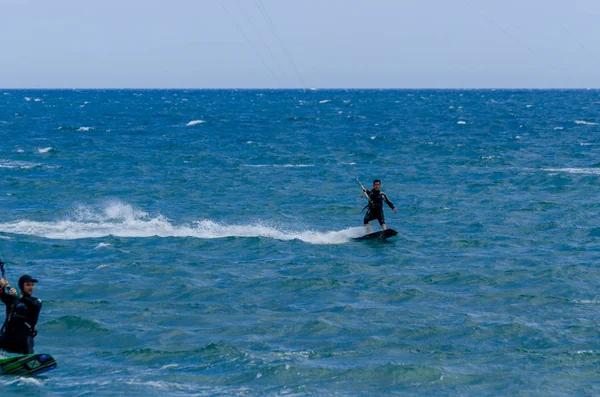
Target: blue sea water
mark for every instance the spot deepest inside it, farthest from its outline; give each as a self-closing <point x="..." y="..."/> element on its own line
<point x="199" y="242"/>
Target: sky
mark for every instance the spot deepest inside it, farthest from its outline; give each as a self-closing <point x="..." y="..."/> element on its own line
<point x="299" y="44"/>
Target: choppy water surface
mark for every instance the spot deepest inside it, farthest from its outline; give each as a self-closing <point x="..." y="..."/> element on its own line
<point x="200" y="242"/>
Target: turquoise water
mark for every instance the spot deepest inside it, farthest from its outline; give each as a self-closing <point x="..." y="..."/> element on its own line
<point x="200" y="242"/>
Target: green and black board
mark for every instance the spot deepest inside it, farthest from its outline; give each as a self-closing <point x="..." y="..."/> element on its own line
<point x="27" y="364"/>
<point x="381" y="235"/>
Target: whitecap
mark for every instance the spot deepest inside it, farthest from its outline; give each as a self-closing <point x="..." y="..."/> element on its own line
<point x="27" y="99"/>
<point x="84" y="128"/>
<point x="585" y="171"/>
<point x="195" y="122"/>
<point x="583" y="122"/>
<point x="279" y="165"/>
<point x="559" y="128"/>
<point x="325" y="101"/>
<point x="587" y="301"/>
<point x="17" y="164"/>
<point x="45" y="150"/>
<point x="102" y="245"/>
<point x="461" y="122"/>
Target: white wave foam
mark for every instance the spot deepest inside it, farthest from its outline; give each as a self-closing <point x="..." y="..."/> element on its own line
<point x="45" y="150"/>
<point x="461" y="122"/>
<point x="583" y="122"/>
<point x="278" y="165"/>
<point x="25" y="380"/>
<point x="587" y="171"/>
<point x="586" y="301"/>
<point x="325" y="101"/>
<point x="101" y="245"/>
<point x="122" y="220"/>
<point x="559" y="128"/>
<point x="17" y="164"/>
<point x="195" y="122"/>
<point x="27" y="99"/>
<point x="84" y="128"/>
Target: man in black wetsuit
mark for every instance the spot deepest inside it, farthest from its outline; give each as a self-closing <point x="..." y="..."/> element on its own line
<point x="375" y="211"/>
<point x="22" y="313"/>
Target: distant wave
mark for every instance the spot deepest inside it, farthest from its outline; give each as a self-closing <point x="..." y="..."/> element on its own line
<point x="195" y="122"/>
<point x="587" y="171"/>
<point x="122" y="220"/>
<point x="582" y="122"/>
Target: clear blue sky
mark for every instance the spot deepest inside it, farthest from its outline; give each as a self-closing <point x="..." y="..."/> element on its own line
<point x="299" y="43"/>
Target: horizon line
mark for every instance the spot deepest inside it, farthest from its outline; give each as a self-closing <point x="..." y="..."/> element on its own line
<point x="305" y="89"/>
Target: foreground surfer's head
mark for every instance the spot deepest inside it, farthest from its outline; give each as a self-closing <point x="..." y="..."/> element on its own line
<point x="376" y="184"/>
<point x="26" y="284"/>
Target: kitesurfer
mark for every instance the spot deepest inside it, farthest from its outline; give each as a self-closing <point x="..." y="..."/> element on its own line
<point x="22" y="313"/>
<point x="375" y="206"/>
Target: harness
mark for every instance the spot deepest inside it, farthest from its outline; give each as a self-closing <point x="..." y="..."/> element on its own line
<point x="16" y="319"/>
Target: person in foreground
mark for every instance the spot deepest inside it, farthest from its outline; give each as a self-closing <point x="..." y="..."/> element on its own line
<point x="22" y="313"/>
<point x="375" y="206"/>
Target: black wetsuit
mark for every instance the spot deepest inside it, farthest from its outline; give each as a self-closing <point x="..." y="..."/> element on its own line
<point x="19" y="328"/>
<point x="375" y="211"/>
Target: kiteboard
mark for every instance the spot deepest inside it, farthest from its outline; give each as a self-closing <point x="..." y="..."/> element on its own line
<point x="27" y="364"/>
<point x="381" y="235"/>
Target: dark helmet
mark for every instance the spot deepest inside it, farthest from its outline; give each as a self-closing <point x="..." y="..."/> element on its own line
<point x="26" y="278"/>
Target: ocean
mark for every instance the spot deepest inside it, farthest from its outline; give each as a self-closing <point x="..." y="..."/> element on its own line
<point x="199" y="242"/>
